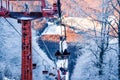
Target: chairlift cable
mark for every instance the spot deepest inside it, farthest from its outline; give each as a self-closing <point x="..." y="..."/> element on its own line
<point x="47" y="48"/>
<point x="13" y="27"/>
<point x="21" y="35"/>
<point x="61" y="40"/>
<point x="49" y="52"/>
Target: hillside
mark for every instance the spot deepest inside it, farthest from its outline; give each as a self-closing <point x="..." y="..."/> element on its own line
<point x="73" y="8"/>
<point x="78" y="8"/>
<point x="91" y="45"/>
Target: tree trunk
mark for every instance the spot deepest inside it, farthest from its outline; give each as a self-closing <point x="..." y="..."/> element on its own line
<point x="101" y="64"/>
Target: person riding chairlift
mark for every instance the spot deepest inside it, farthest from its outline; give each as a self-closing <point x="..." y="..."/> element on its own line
<point x="63" y="70"/>
<point x="65" y="52"/>
<point x="26" y="8"/>
<point x="58" y="53"/>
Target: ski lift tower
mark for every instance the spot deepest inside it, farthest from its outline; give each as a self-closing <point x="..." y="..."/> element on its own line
<point x="25" y="19"/>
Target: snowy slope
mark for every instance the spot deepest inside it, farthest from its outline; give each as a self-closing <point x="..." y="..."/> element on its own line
<point x="82" y="23"/>
<point x="11" y="52"/>
<point x="55" y="29"/>
<point x="87" y="64"/>
<point x="52" y="29"/>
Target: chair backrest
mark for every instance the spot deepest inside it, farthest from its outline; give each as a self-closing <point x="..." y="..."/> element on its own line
<point x="45" y="72"/>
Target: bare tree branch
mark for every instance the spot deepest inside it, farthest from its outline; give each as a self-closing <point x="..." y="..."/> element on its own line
<point x="115" y="7"/>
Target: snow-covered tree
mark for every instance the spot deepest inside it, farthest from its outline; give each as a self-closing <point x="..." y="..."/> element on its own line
<point x="116" y="6"/>
<point x="100" y="49"/>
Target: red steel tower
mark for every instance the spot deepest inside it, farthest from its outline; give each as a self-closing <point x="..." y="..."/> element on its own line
<point x="26" y="70"/>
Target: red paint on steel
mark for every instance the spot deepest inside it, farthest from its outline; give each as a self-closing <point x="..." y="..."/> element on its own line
<point x="58" y="75"/>
<point x="26" y="69"/>
<point x="26" y="50"/>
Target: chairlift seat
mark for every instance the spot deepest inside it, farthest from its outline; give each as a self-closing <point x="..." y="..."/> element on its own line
<point x="56" y="78"/>
<point x="51" y="74"/>
<point x="45" y="72"/>
<point x="18" y="21"/>
<point x="62" y="69"/>
<point x="34" y="65"/>
<point x="66" y="54"/>
<point x="58" y="54"/>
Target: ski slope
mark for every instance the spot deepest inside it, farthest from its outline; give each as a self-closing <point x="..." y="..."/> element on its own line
<point x="12" y="44"/>
<point x="53" y="29"/>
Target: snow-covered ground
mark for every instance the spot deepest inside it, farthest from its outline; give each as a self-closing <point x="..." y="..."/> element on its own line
<point x="87" y="66"/>
<point x="85" y="69"/>
<point x="54" y="29"/>
<point x="10" y="65"/>
<point x="82" y="23"/>
<point x="13" y="43"/>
